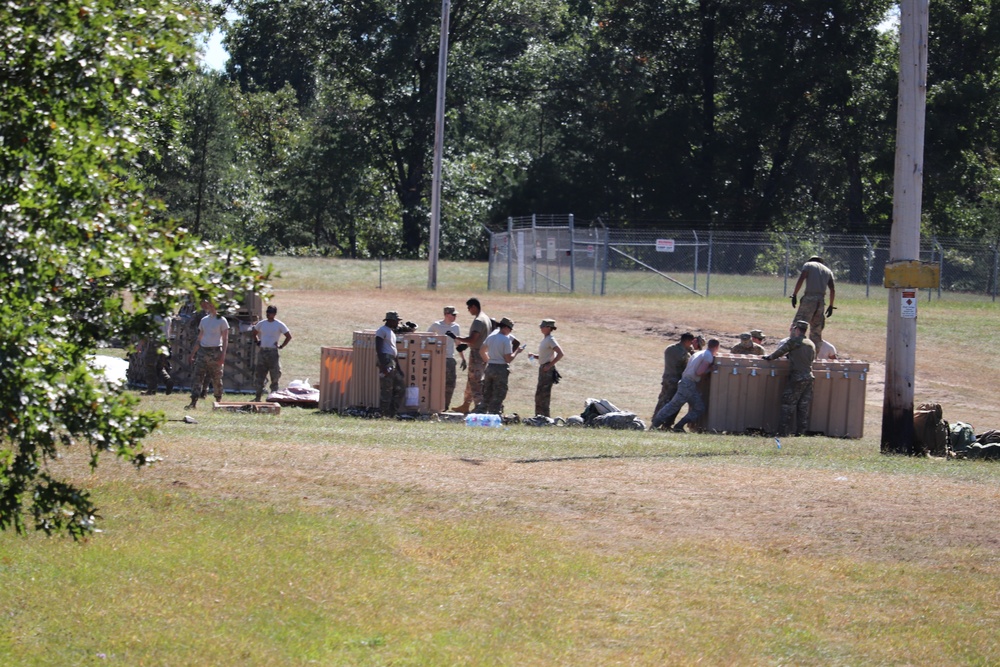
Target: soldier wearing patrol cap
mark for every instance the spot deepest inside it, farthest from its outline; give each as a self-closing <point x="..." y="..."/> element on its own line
<point x="549" y="353"/>
<point x="797" y="397"/>
<point x="498" y="351"/>
<point x="448" y="327"/>
<point x="747" y="346"/>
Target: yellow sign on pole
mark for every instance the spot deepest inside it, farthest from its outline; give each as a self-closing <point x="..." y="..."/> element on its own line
<point x="921" y="275"/>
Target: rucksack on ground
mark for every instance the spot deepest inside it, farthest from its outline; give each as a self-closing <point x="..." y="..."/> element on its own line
<point x="930" y="430"/>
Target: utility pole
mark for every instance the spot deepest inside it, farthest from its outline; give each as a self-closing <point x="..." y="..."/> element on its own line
<point x="904" y="248"/>
<point x="435" y="231"/>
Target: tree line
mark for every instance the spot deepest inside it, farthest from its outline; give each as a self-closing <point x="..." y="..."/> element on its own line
<point x="776" y="116"/>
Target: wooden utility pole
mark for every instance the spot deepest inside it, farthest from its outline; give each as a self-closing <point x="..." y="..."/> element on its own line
<point x="901" y="329"/>
<point x="435" y="230"/>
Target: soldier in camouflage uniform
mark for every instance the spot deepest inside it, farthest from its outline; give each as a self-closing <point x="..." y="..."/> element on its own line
<point x="817" y="278"/>
<point x="498" y="352"/>
<point x="392" y="384"/>
<point x="747" y="346"/>
<point x="675" y="359"/>
<point x="796" y="400"/>
<point x="209" y="353"/>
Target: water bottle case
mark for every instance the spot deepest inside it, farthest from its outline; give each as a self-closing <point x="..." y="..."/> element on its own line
<point x="476" y="419"/>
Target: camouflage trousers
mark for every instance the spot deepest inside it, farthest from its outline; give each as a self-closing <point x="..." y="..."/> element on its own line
<point x="687" y="392"/>
<point x="812" y="309"/>
<point x="450" y="380"/>
<point x="494" y="389"/>
<point x="667" y="391"/>
<point x="474" y="388"/>
<point x="268" y="361"/>
<point x="157" y="369"/>
<point x="206" y="367"/>
<point x="391" y="385"/>
<point x="796" y="402"/>
<point x="543" y="391"/>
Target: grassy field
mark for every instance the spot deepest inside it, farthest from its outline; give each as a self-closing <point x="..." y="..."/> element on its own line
<point x="308" y="538"/>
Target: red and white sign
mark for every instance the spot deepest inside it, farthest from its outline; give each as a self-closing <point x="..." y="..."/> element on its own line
<point x="908" y="304"/>
<point x="664" y="245"/>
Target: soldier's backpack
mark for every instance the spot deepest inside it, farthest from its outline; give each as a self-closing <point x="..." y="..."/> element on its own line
<point x="930" y="431"/>
<point x="619" y="420"/>
<point x="962" y="437"/>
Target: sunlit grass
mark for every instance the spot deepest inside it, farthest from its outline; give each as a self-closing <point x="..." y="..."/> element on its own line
<point x="184" y="578"/>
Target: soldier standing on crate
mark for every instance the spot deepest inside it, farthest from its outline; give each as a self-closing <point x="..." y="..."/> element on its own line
<point x="268" y="334"/>
<point x="498" y="352"/>
<point x="391" y="380"/>
<point x="448" y="327"/>
<point x="478" y="331"/>
<point x="796" y="400"/>
<point x="817" y="278"/>
<point x="675" y="358"/>
<point x="549" y="353"/>
<point x="209" y="353"/>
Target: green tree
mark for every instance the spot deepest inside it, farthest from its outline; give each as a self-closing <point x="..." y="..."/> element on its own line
<point x="199" y="172"/>
<point x="382" y="56"/>
<point x="962" y="177"/>
<point x="85" y="259"/>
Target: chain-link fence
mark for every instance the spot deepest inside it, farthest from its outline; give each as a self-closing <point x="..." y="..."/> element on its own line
<point x="554" y="254"/>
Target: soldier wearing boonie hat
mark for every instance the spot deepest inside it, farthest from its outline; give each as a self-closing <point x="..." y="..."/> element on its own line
<point x="443" y="327"/>
<point x="796" y="400"/>
<point x="549" y="353"/>
<point x="391" y="381"/>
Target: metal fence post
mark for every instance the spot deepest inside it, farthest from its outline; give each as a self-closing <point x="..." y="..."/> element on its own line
<point x="604" y="266"/>
<point x="694" y="283"/>
<point x="572" y="255"/>
<point x="868" y="267"/>
<point x="489" y="262"/>
<point x="510" y="248"/>
<point x="708" y="273"/>
<point x="788" y="259"/>
<point x="940" y="264"/>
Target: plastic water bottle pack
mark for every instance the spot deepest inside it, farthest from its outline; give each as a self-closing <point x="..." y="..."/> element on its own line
<point x="475" y="419"/>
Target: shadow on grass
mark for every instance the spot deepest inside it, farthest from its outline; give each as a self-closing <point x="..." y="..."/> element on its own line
<point x="664" y="455"/>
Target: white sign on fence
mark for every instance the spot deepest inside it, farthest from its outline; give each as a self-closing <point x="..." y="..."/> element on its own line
<point x="664" y="245"/>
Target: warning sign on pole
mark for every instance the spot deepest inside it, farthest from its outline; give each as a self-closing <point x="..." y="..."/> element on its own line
<point x="908" y="305"/>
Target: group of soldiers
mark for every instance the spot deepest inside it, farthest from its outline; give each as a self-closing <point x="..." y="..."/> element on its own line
<point x="688" y="360"/>
<point x="491" y="349"/>
<point x="208" y="355"/>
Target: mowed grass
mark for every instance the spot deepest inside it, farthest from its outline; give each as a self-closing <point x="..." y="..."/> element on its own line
<point x="309" y="538"/>
<point x="184" y="579"/>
